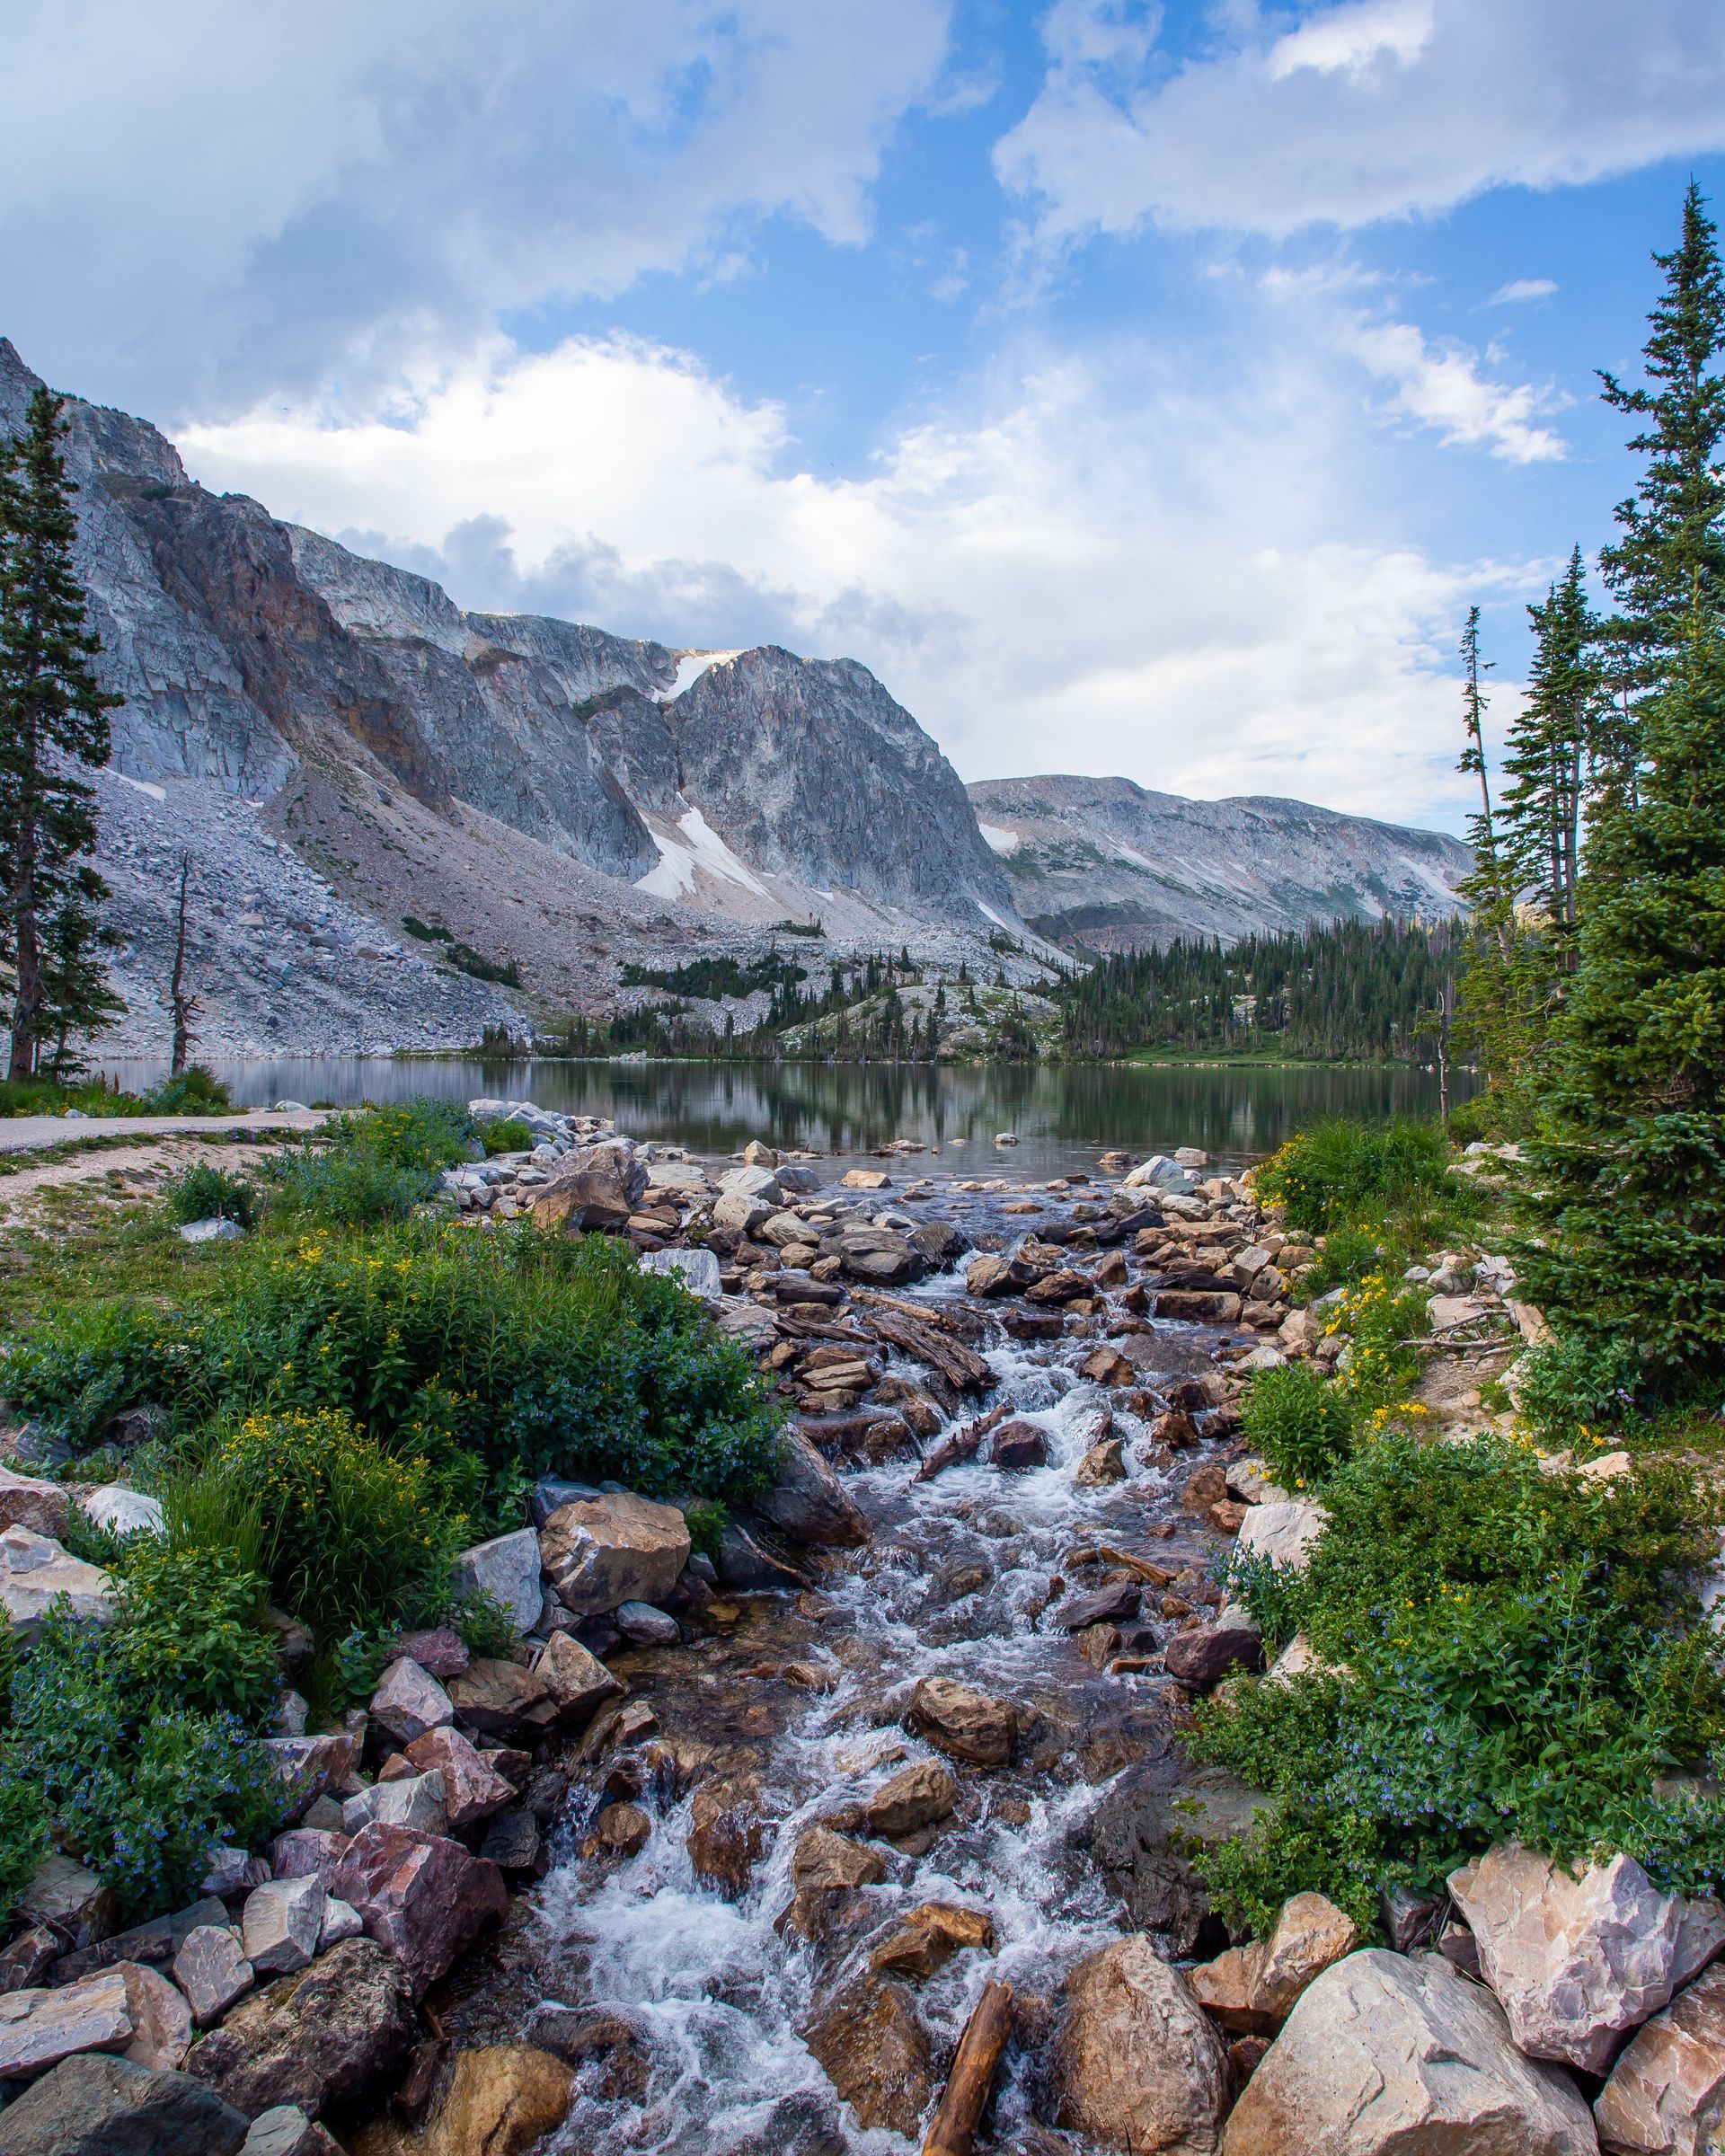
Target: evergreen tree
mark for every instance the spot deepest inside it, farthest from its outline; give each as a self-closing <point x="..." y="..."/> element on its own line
<point x="53" y="717"/>
<point x="1492" y="1002"/>
<point x="1627" y="1192"/>
<point x="1670" y="558"/>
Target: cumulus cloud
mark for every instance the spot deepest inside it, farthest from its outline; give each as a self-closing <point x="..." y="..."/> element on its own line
<point x="1445" y="386"/>
<point x="272" y="195"/>
<point x="1367" y="110"/>
<point x="1112" y="561"/>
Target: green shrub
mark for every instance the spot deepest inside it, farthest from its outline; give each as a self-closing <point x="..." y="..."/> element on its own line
<point x="351" y="1534"/>
<point x="375" y="1166"/>
<point x="1348" y="1255"/>
<point x="706" y="1523"/>
<point x="1339" y="1172"/>
<point x="1508" y="1657"/>
<point x="507" y="1137"/>
<point x="1302" y="1426"/>
<point x="138" y="1788"/>
<point x="192" y="1626"/>
<point x="194" y="1091"/>
<point x="205" y="1193"/>
<point x="87" y="1361"/>
<point x="1568" y="1391"/>
<point x="485" y="1626"/>
<point x="1381" y="1316"/>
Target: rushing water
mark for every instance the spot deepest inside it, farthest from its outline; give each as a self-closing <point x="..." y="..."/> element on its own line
<point x="1060" y="1112"/>
<point x="954" y="1583"/>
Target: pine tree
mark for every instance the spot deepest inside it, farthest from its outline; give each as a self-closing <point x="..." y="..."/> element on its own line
<point x="53" y="717"/>
<point x="1627" y="1191"/>
<point x="1670" y="558"/>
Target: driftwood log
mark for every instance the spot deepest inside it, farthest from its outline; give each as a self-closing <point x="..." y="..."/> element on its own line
<point x="961" y="1444"/>
<point x="974" y="2066"/>
<point x="960" y="1366"/>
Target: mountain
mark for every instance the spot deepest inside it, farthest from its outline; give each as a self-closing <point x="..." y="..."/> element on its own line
<point x="1102" y="865"/>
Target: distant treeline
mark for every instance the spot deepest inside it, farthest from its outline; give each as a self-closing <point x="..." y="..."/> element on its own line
<point x="1356" y="989"/>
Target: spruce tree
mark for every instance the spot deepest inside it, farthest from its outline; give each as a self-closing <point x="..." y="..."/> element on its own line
<point x="1670" y="558"/>
<point x="53" y="718"/>
<point x="1627" y="1190"/>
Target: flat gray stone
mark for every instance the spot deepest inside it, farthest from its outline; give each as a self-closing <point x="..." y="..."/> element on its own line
<point x="212" y="1971"/>
<point x="281" y="1925"/>
<point x="507" y="1569"/>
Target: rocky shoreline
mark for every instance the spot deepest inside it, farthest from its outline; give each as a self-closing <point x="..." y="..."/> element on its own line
<point x="735" y="1843"/>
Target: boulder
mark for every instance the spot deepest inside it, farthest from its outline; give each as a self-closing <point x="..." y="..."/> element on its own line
<point x="502" y="1701"/>
<point x="807" y="1502"/>
<point x="940" y="1243"/>
<point x="415" y="1800"/>
<point x="962" y="1722"/>
<point x="696" y="1270"/>
<point x="284" y="2130"/>
<point x="97" y="2106"/>
<point x="309" y="1767"/>
<point x="725" y="1834"/>
<point x="875" y="2053"/>
<point x="575" y="1681"/>
<point x="1148" y="1838"/>
<point x="989" y="1275"/>
<point x="419" y="1895"/>
<point x="1576" y="1962"/>
<point x="501" y="2100"/>
<point x="326" y="2037"/>
<point x="35" y="1571"/>
<point x="915" y="1797"/>
<point x="1106" y="1605"/>
<point x="1104" y="1463"/>
<point x="161" y="2018"/>
<point x="408" y="1701"/>
<point x="507" y="1571"/>
<point x="600" y="1552"/>
<point x="124" y="2007"/>
<point x="592" y="1187"/>
<point x="646" y="1626"/>
<point x="27" y="1957"/>
<point x="878" y="1257"/>
<point x="280" y="1924"/>
<point x="1284" y="1533"/>
<point x="929" y="1937"/>
<point x="825" y="1863"/>
<point x="212" y="1971"/>
<point x="754" y="1180"/>
<point x="1252" y="1989"/>
<point x="228" y="1870"/>
<point x="1017" y="1446"/>
<point x="155" y="1942"/>
<point x="308" y="1852"/>
<point x="70" y="1900"/>
<point x="471" y="1790"/>
<point x="740" y="1213"/>
<point x="620" y="1830"/>
<point x="122" y="1511"/>
<point x="441" y="1653"/>
<point x="1204" y="1657"/>
<point x="341" y="1920"/>
<point x="1666" y="2092"/>
<point x="1138" y="2066"/>
<point x="1391" y="2055"/>
<point x="43" y="1508"/>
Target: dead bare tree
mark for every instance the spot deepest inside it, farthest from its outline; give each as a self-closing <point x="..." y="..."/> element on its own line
<point x="186" y="1008"/>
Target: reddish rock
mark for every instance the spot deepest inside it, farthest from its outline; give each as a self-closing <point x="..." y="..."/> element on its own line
<point x="421" y="1896"/>
<point x="470" y="1790"/>
<point x="441" y="1654"/>
<point x="725" y="1834"/>
<point x="502" y="1699"/>
<point x="307" y="1852"/>
<point x="1205" y="1656"/>
<point x="577" y="1681"/>
<point x="1016" y="1446"/>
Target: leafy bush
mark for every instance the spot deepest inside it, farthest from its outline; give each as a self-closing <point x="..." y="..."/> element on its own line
<point x="1302" y="1426"/>
<point x="86" y="1362"/>
<point x="1507" y="1656"/>
<point x="507" y="1137"/>
<point x="1339" y="1170"/>
<point x="138" y="1787"/>
<point x="194" y="1091"/>
<point x="1382" y="1315"/>
<point x="1568" y="1390"/>
<point x="351" y="1534"/>
<point x="206" y="1193"/>
<point x="485" y="1625"/>
<point x="706" y="1523"/>
<point x="192" y="1630"/>
<point x="375" y="1166"/>
<point x="1348" y="1255"/>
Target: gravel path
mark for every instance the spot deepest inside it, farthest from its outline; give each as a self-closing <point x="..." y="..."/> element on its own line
<point x="31" y="1134"/>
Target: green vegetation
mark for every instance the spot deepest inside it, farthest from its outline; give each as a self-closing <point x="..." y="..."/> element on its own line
<point x="461" y="956"/>
<point x="1329" y="1175"/>
<point x="202" y="1192"/>
<point x="196" y="1091"/>
<point x="713" y="978"/>
<point x="1304" y="1428"/>
<point x="363" y="1169"/>
<point x="1353" y="989"/>
<point x="507" y="1137"/>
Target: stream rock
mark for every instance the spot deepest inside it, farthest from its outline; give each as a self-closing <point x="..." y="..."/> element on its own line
<point x="575" y="1681"/>
<point x="726" y="1833"/>
<point x="964" y="1723"/>
<point x="97" y="2106"/>
<point x="1147" y="1837"/>
<point x="808" y="1501"/>
<point x="825" y="1863"/>
<point x="1388" y="2055"/>
<point x="1138" y="2065"/>
<point x="601" y="1551"/>
<point x="1576" y="1962"/>
<point x="327" y="2037"/>
<point x="915" y="1796"/>
<point x="1666" y="2092"/>
<point x="1252" y="1989"/>
<point x="929" y="1937"/>
<point x="1204" y="1657"/>
<point x="875" y="2053"/>
<point x="422" y="1895"/>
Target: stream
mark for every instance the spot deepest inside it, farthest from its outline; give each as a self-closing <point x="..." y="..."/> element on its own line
<point x="701" y="1997"/>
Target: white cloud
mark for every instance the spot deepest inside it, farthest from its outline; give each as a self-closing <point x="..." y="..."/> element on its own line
<point x="1368" y="110"/>
<point x="1113" y="563"/>
<point x="215" y="201"/>
<point x="1520" y="289"/>
<point x="1444" y="387"/>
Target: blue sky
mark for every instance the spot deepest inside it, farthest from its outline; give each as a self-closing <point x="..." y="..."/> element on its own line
<point x="1136" y="389"/>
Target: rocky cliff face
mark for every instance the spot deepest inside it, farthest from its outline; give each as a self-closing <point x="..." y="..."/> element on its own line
<point x="1103" y="865"/>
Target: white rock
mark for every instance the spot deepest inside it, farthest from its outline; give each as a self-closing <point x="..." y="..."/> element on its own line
<point x="280" y="1924"/>
<point x="1391" y="2055"/>
<point x="1262" y="1358"/>
<point x="212" y="1230"/>
<point x="123" y="1511"/>
<point x="698" y="1271"/>
<point x="759" y="1183"/>
<point x="1609" y="1467"/>
<point x="341" y="1920"/>
<point x="745" y="1215"/>
<point x="1576" y="1962"/>
<point x="1445" y="1311"/>
<point x="1284" y="1533"/>
<point x="415" y="1800"/>
<point x="507" y="1569"/>
<point x="35" y="1570"/>
<point x="211" y="1969"/>
<point x="1666" y="2092"/>
<point x="409" y="1700"/>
